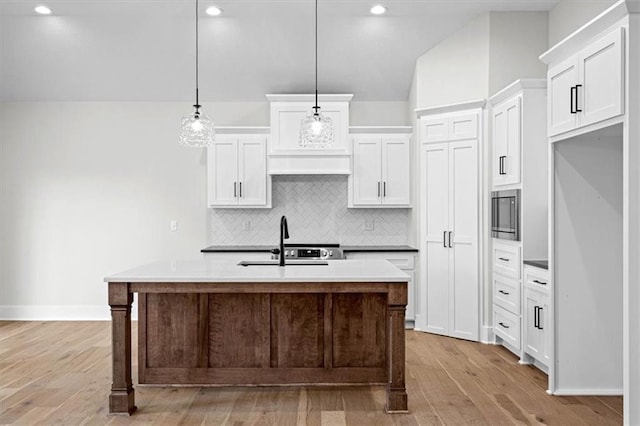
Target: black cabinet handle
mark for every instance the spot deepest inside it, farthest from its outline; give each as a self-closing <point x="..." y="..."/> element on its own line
<point x="535" y="316"/>
<point x="503" y="292"/>
<point x="384" y="189"/>
<point x="378" y="189"/>
<point x="234" y="190"/>
<point x="539" y="282"/>
<point x="577" y="109"/>
<point x="503" y="259"/>
<point x="503" y="325"/>
<point x="444" y="239"/>
<point x="450" y="246"/>
<point x="574" y="89"/>
<point x="502" y="158"/>
<point x="240" y="189"/>
<point x="539" y="312"/>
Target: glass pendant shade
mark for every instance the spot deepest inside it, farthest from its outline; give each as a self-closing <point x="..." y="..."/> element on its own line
<point x="316" y="132"/>
<point x="196" y="130"/>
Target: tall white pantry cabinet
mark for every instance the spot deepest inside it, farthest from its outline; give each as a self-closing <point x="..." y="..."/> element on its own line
<point x="449" y="211"/>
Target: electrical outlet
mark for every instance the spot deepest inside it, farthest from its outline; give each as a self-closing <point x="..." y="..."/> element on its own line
<point x="368" y="225"/>
<point x="173" y="225"/>
<point x="246" y="225"/>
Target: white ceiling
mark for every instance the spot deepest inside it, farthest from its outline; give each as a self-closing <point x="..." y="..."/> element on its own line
<point x="143" y="50"/>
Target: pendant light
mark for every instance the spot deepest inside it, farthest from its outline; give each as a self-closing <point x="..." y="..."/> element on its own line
<point x="316" y="130"/>
<point x="196" y="129"/>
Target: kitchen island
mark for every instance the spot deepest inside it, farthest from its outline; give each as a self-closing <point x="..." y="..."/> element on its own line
<point x="210" y="322"/>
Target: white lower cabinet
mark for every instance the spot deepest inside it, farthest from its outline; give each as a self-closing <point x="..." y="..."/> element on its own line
<point x="537" y="318"/>
<point x="507" y="326"/>
<point x="405" y="261"/>
<point x="507" y="293"/>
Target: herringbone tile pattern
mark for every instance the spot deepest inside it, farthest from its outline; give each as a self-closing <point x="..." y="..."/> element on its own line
<point x="316" y="210"/>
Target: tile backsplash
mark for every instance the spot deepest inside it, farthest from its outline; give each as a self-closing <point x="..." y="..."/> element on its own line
<point x="316" y="210"/>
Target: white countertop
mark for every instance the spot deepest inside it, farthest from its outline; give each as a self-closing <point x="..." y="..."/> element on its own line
<point x="215" y="270"/>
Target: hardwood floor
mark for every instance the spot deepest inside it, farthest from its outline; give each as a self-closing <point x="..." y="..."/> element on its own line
<point x="60" y="373"/>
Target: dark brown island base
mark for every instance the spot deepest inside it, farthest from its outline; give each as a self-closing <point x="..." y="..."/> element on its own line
<point x="205" y="323"/>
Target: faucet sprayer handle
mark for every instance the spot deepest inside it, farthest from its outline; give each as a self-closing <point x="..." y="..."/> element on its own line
<point x="275" y="251"/>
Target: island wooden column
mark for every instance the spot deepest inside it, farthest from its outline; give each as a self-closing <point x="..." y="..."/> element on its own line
<point x="397" y="391"/>
<point x="122" y="397"/>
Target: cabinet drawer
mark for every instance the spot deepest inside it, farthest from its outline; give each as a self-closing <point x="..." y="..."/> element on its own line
<point x="400" y="260"/>
<point x="506" y="259"/>
<point x="536" y="278"/>
<point x="506" y="293"/>
<point x="506" y="326"/>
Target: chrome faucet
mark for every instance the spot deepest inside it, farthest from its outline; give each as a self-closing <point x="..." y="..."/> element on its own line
<point x="284" y="235"/>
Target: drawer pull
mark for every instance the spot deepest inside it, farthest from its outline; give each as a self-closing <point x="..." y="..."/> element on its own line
<point x="503" y="259"/>
<point x="504" y="292"/>
<point x="503" y="325"/>
<point x="539" y="282"/>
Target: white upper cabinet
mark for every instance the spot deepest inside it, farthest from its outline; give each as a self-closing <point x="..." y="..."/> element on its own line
<point x="381" y="171"/>
<point x="237" y="172"/>
<point x="587" y="88"/>
<point x="507" y="140"/>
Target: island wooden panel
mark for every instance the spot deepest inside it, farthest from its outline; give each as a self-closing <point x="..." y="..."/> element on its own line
<point x="297" y="330"/>
<point x="241" y="342"/>
<point x="261" y="334"/>
<point x="359" y="330"/>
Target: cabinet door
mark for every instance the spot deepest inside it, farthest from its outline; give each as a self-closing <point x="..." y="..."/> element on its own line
<point x="395" y="171"/>
<point x="434" y="129"/>
<point x="499" y="144"/>
<point x="411" y="290"/>
<point x="545" y="332"/>
<point x="561" y="79"/>
<point x="435" y="193"/>
<point x="367" y="166"/>
<point x="511" y="162"/>
<point x="463" y="240"/>
<point x="222" y="172"/>
<point x="601" y="66"/>
<point x="532" y="336"/>
<point x="252" y="172"/>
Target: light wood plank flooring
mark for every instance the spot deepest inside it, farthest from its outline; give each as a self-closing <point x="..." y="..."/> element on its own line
<point x="59" y="373"/>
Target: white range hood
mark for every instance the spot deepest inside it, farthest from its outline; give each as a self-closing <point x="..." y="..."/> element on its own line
<point x="286" y="157"/>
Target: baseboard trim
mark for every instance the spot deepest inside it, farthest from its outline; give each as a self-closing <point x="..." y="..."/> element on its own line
<point x="59" y="312"/>
<point x="588" y="392"/>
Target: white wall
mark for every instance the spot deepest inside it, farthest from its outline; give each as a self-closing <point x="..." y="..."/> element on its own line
<point x="88" y="189"/>
<point x="457" y="69"/>
<point x="516" y="40"/>
<point x="569" y="15"/>
<point x="588" y="264"/>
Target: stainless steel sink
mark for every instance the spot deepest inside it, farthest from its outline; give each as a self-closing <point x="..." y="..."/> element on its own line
<point x="292" y="262"/>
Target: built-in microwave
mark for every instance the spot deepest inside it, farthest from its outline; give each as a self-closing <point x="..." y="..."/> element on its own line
<point x="505" y="214"/>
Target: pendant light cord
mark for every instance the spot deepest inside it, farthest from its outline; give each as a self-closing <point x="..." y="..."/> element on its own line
<point x="197" y="105"/>
<point x="316" y="57"/>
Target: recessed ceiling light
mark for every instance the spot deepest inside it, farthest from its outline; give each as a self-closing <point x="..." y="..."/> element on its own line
<point x="378" y="9"/>
<point x="214" y="11"/>
<point x="42" y="10"/>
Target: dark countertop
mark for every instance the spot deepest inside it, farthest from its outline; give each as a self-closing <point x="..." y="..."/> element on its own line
<point x="374" y="249"/>
<point x="232" y="249"/>
<point x="266" y="249"/>
<point x="544" y="264"/>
